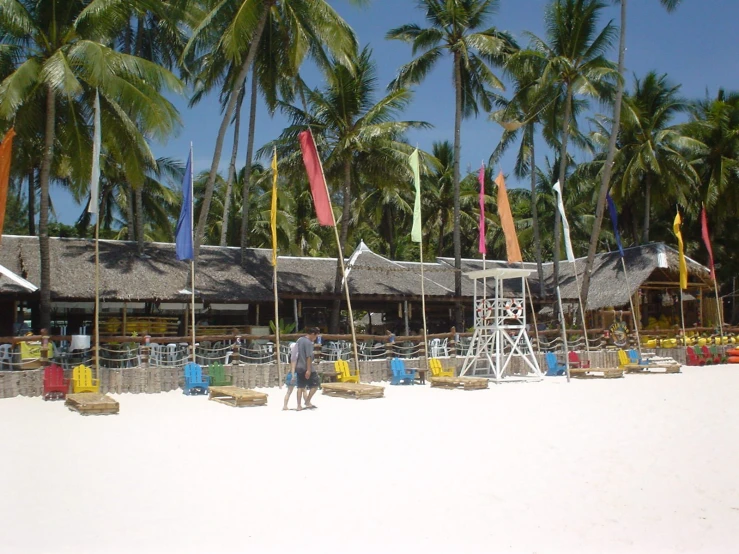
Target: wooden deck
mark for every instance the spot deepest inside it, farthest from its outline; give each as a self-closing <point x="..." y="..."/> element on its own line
<point x="88" y="403"/>
<point x="466" y="383"/>
<point x="653" y="369"/>
<point x="237" y="396"/>
<point x="353" y="390"/>
<point x="596" y="372"/>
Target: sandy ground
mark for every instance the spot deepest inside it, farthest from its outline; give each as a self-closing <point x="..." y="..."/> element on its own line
<point x="649" y="463"/>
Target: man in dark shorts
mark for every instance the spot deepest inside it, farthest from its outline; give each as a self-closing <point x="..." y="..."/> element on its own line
<point x="307" y="376"/>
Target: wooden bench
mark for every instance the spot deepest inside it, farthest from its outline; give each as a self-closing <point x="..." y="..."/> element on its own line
<point x="88" y="403"/>
<point x="237" y="396"/>
<point x="466" y="383"/>
<point x="353" y="390"/>
<point x="597" y="372"/>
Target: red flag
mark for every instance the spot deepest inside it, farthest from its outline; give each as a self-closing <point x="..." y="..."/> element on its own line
<point x="318" y="188"/>
<point x="707" y="241"/>
<point x="6" y="151"/>
<point x="481" y="179"/>
<point x="513" y="251"/>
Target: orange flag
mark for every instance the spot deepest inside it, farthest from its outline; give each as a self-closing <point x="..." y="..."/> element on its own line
<point x="6" y="151"/>
<point x="506" y="221"/>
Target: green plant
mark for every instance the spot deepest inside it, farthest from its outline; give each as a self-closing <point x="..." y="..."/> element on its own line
<point x="285" y="328"/>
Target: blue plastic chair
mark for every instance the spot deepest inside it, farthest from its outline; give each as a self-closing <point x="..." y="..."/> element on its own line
<point x="554" y="367"/>
<point x="194" y="381"/>
<point x="400" y="374"/>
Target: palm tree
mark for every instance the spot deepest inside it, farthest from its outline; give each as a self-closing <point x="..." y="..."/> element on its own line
<point x="651" y="156"/>
<point x="354" y="133"/>
<point x="573" y="64"/>
<point x="62" y="58"/>
<point x="457" y="26"/>
<point x="234" y="28"/>
<point x="605" y="183"/>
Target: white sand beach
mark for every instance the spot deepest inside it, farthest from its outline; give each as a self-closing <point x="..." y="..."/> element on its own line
<point x="648" y="463"/>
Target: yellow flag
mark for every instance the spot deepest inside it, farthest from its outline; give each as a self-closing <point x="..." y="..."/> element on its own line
<point x="681" y="251"/>
<point x="273" y="212"/>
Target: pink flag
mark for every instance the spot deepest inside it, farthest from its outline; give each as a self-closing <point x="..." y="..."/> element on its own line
<point x="481" y="178"/>
<point x="707" y="241"/>
<point x="318" y="187"/>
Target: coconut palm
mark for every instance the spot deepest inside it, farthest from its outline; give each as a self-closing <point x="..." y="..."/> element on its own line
<point x="355" y="134"/>
<point x="61" y="58"/>
<point x="457" y="27"/>
<point x="232" y="30"/>
<point x="605" y="183"/>
<point x="573" y="64"/>
<point x="651" y="157"/>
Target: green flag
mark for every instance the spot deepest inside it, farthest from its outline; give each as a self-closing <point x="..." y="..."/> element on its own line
<point x="416" y="229"/>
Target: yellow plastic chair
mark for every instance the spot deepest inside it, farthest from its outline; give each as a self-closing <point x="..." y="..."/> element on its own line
<point x="437" y="370"/>
<point x="82" y="380"/>
<point x="343" y="375"/>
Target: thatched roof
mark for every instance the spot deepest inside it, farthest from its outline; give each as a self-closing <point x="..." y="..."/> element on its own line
<point x="126" y="276"/>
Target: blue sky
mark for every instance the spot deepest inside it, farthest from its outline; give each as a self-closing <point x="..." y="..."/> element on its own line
<point x="696" y="46"/>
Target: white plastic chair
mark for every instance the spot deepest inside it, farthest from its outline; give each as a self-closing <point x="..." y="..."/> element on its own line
<point x="171" y="354"/>
<point x="155" y="354"/>
<point x="6" y="356"/>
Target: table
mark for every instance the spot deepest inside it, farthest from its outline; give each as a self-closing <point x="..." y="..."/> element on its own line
<point x="421" y="376"/>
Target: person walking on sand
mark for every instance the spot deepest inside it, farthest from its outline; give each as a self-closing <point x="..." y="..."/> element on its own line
<point x="307" y="376"/>
<point x="291" y="378"/>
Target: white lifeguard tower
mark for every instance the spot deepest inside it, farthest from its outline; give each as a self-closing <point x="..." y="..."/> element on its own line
<point x="500" y="349"/>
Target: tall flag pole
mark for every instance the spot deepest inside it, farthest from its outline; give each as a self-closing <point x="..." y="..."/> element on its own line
<point x="614" y="220"/>
<point x="707" y="241"/>
<point x="273" y="225"/>
<point x="183" y="236"/>
<point x="6" y="154"/>
<point x="94" y="208"/>
<point x="683" y="268"/>
<point x="417" y="236"/>
<point x="571" y="258"/>
<point x="325" y="215"/>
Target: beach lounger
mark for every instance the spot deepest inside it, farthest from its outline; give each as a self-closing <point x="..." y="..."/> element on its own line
<point x="554" y="367"/>
<point x="82" y="380"/>
<point x="400" y="374"/>
<point x="343" y="374"/>
<point x="194" y="382"/>
<point x="55" y="385"/>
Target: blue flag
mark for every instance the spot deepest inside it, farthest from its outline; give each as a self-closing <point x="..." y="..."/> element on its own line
<point x="614" y="220"/>
<point x="183" y="231"/>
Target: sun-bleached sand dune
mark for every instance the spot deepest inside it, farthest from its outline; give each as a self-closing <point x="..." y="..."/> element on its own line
<point x="649" y="463"/>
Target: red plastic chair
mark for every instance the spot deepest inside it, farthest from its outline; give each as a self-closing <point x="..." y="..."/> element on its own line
<point x="575" y="360"/>
<point x="55" y="385"/>
<point x="693" y="358"/>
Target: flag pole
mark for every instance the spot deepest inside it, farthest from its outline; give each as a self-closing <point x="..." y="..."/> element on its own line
<point x="631" y="305"/>
<point x="192" y="261"/>
<point x="341" y="265"/>
<point x="564" y="333"/>
<point x="273" y="214"/>
<point x="582" y="310"/>
<point x="96" y="357"/>
<point x="719" y="311"/>
<point x="423" y="307"/>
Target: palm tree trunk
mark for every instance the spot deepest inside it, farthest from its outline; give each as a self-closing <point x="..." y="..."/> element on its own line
<point x="247" y="168"/>
<point x="43" y="220"/>
<point x="231" y="173"/>
<point x="130" y="213"/>
<point x="139" y="195"/>
<point x="647" y="206"/>
<point x="535" y="216"/>
<point x="562" y="172"/>
<point x="31" y="202"/>
<point x="228" y="113"/>
<point x="459" y="315"/>
<point x="442" y="226"/>
<point x="343" y="236"/>
<point x="608" y="167"/>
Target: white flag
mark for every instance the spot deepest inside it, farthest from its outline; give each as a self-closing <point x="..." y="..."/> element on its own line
<point x="565" y="224"/>
<point x="95" y="178"/>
